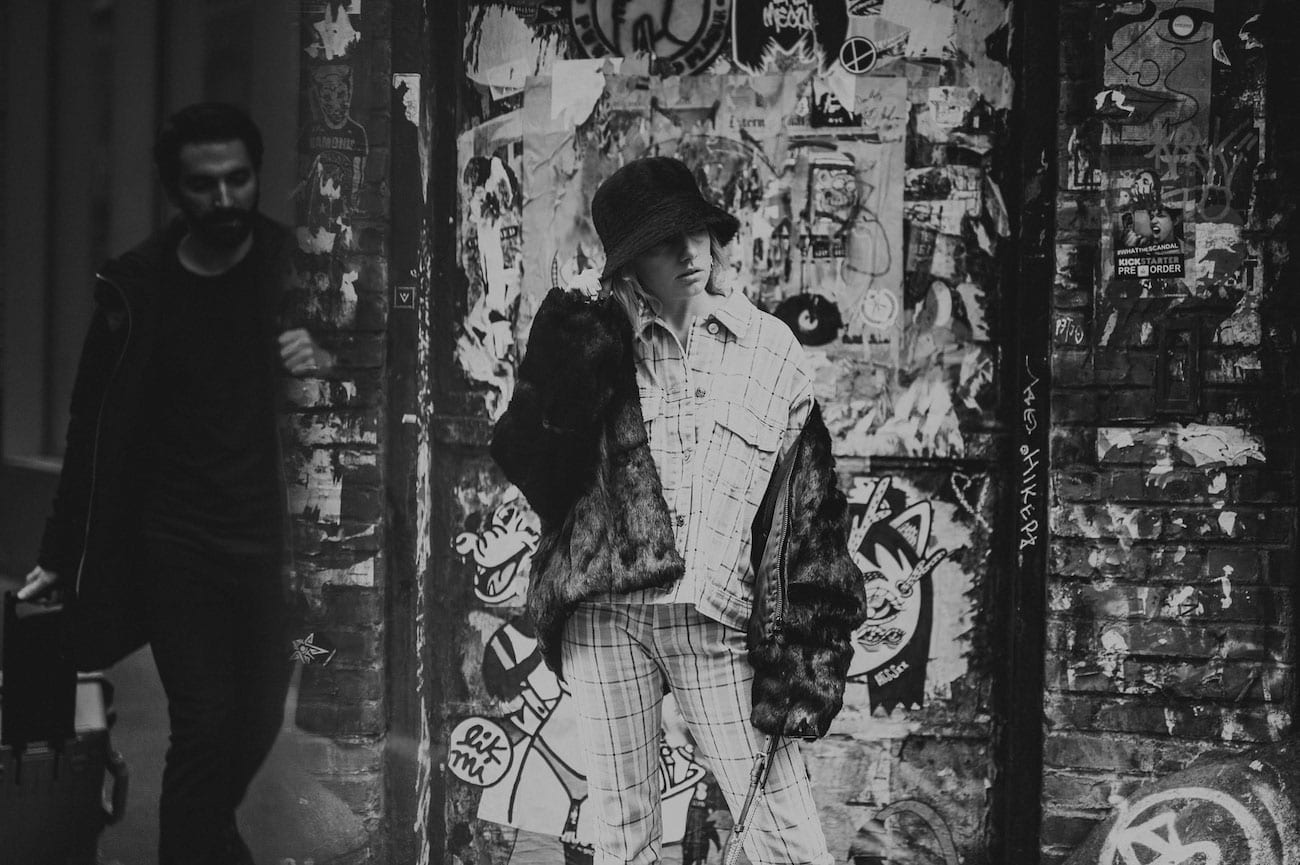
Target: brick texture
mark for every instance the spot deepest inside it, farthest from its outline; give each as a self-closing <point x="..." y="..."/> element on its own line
<point x="1170" y="602"/>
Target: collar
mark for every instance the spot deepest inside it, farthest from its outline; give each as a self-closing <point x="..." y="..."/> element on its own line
<point x="735" y="312"/>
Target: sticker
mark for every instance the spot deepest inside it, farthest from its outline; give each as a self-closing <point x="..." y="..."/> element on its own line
<point x="404" y="297"/>
<point x="312" y="650"/>
<point x="768" y="35"/>
<point x="858" y="55"/>
<point x="681" y="38"/>
<point x="880" y="308"/>
<point x="480" y="752"/>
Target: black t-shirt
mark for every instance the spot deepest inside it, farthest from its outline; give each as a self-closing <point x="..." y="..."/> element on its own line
<point x="211" y="467"/>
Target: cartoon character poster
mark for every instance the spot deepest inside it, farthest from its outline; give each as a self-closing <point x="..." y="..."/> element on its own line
<point x="500" y="544"/>
<point x="912" y="540"/>
<point x="530" y="763"/>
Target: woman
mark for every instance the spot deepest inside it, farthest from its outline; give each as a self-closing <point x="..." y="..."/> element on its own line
<point x="646" y="426"/>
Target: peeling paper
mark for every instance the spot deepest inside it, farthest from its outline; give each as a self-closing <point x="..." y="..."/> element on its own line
<point x="576" y="87"/>
<point x="411" y="96"/>
<point x="1225" y="586"/>
<point x="360" y="574"/>
<point x="1228" y="523"/>
<point x="335" y="34"/>
<point x="502" y="50"/>
<point x="932" y="26"/>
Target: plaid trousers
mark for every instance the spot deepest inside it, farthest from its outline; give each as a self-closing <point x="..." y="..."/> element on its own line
<point x="617" y="658"/>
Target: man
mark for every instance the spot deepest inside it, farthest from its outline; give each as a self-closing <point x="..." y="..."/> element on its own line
<point x="168" y="526"/>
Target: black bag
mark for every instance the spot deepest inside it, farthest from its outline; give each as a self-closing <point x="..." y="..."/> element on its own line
<point x="38" y="699"/>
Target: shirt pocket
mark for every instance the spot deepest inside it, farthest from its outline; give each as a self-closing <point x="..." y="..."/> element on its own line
<point x="746" y="449"/>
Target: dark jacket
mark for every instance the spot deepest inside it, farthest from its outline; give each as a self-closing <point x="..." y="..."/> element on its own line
<point x="573" y="440"/>
<point x="88" y="538"/>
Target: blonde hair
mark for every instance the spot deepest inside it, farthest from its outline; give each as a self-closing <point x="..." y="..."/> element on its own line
<point x="721" y="279"/>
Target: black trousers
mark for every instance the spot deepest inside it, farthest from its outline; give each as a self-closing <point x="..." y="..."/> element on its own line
<point x="216" y="624"/>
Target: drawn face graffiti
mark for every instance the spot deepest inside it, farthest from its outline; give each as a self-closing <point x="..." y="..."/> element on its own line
<point x="501" y="550"/>
<point x="1158" y="60"/>
<point x="892" y="551"/>
<point x="332" y="87"/>
<point x="834" y="188"/>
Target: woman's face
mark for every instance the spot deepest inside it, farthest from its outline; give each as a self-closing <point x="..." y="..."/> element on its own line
<point x="679" y="266"/>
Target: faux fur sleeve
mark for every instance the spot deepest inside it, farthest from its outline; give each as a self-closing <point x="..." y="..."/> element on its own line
<point x="547" y="442"/>
<point x="799" y="674"/>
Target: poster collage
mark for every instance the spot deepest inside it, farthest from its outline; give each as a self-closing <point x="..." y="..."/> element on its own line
<point x="851" y="141"/>
<point x="1174" y="182"/>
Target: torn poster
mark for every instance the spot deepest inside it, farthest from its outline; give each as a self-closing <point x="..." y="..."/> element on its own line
<point x="493" y="58"/>
<point x="491" y="255"/>
<point x="1156" y="76"/>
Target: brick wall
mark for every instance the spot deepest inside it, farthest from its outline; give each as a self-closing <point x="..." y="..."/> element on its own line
<point x="1172" y="486"/>
<point x="340" y="281"/>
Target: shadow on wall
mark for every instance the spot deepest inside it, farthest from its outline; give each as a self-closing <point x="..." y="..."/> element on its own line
<point x="1237" y="810"/>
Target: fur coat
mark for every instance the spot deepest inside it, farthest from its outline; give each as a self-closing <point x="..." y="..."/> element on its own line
<point x="573" y="440"/>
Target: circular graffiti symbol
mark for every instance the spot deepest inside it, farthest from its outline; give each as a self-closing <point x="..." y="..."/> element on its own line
<point x="858" y="55"/>
<point x="681" y="37"/>
<point x="1151" y="828"/>
<point x="879" y="308"/>
<point x="480" y="753"/>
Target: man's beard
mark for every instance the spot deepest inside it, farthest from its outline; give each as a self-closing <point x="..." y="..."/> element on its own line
<point x="225" y="228"/>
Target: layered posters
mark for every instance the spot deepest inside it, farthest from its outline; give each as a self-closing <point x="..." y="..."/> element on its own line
<point x="811" y="164"/>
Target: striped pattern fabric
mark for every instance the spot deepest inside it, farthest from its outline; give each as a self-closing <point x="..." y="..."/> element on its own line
<point x="718" y="411"/>
<point x="617" y="659"/>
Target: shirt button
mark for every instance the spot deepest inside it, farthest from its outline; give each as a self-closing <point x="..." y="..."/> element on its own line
<point x="699" y="393"/>
<point x="713" y="328"/>
<point x="681" y="520"/>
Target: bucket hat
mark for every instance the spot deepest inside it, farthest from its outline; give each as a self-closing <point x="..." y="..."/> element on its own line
<point x="648" y="201"/>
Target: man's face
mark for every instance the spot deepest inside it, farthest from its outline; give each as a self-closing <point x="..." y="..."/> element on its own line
<point x="217" y="191"/>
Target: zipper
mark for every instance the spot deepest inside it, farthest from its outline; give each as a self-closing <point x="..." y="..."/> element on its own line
<point x="782" y="578"/>
<point x="99" y="428"/>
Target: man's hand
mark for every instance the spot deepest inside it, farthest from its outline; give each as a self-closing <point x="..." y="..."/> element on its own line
<point x="301" y="355"/>
<point x="40" y="583"/>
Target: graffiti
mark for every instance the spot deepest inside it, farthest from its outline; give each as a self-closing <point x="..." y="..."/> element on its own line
<point x="890" y="543"/>
<point x="1217" y="165"/>
<point x="1157" y="70"/>
<point x="501" y="545"/>
<point x="1185" y="823"/>
<point x="1030" y="465"/>
<point x="311" y="649"/>
<point x="1069" y="330"/>
<point x="877" y="842"/>
<point x="337" y="146"/>
<point x="479" y="753"/>
<point x="540" y="782"/>
<point x="681" y="37"/>
<point x="775" y="34"/>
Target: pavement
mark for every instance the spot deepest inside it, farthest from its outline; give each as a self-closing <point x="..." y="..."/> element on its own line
<point x="288" y="816"/>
